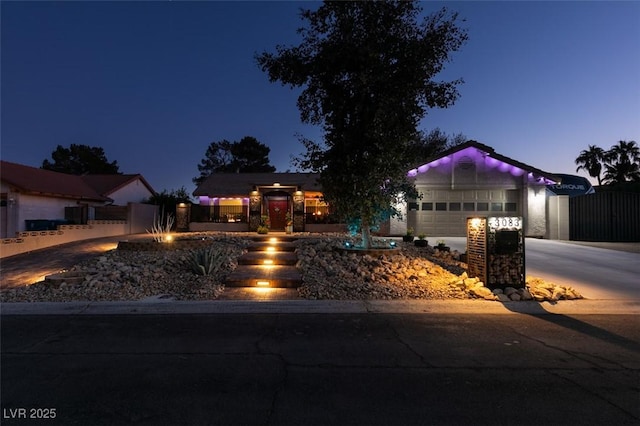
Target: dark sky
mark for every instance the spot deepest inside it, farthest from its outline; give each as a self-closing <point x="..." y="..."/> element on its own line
<point x="154" y="83"/>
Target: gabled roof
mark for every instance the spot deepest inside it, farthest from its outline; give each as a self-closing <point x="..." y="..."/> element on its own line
<point x="486" y="151"/>
<point x="108" y="184"/>
<point x="45" y="182"/>
<point x="240" y="184"/>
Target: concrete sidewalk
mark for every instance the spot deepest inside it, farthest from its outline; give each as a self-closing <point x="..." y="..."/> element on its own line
<point x="157" y="306"/>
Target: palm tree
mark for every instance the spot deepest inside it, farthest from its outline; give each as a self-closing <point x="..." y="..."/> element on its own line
<point x="622" y="163"/>
<point x="591" y="161"/>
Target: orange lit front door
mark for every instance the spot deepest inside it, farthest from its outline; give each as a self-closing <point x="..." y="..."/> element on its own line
<point x="277" y="214"/>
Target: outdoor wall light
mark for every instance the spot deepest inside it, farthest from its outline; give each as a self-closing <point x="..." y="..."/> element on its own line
<point x="475" y="222"/>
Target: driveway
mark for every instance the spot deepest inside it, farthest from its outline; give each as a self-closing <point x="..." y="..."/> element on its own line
<point x="597" y="273"/>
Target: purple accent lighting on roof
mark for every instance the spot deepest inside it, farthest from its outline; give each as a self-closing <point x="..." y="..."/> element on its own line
<point x="492" y="162"/>
<point x="423" y="168"/>
<point x="204" y="200"/>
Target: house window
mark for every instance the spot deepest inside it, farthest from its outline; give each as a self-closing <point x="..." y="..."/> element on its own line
<point x="441" y="207"/>
<point x="510" y="207"/>
<point x="413" y="206"/>
<point x="496" y="207"/>
<point x="468" y="207"/>
<point x="454" y="207"/>
<point x="3" y="200"/>
<point x="427" y="206"/>
<point x="483" y="207"/>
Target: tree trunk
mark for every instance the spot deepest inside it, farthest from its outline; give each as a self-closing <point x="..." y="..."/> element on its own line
<point x="366" y="235"/>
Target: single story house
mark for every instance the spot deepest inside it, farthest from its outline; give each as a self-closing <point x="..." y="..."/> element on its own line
<point x="467" y="180"/>
<point x="29" y="194"/>
<point x="237" y="201"/>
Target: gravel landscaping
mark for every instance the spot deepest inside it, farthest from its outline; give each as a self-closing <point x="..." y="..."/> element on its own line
<point x="409" y="273"/>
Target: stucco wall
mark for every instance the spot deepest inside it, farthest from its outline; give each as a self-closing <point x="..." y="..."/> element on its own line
<point x="134" y="192"/>
<point x="29" y="241"/>
<point x="536" y="214"/>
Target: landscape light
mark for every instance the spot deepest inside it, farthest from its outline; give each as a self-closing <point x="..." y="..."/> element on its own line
<point x="392" y="244"/>
<point x="347" y="244"/>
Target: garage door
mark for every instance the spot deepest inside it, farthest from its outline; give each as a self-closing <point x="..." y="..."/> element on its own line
<point x="444" y="213"/>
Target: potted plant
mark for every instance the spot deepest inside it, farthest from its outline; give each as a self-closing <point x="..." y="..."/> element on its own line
<point x="421" y="242"/>
<point x="289" y="220"/>
<point x="265" y="224"/>
<point x="408" y="237"/>
<point x="441" y="246"/>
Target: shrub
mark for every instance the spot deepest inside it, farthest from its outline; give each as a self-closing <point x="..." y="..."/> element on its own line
<point x="207" y="261"/>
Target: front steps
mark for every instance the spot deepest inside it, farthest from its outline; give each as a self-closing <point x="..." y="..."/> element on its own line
<point x="269" y="263"/>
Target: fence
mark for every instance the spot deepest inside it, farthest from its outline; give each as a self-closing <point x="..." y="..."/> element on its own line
<point x="605" y="216"/>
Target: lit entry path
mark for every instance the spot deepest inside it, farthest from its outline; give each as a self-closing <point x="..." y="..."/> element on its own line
<point x="596" y="273"/>
<point x="269" y="263"/>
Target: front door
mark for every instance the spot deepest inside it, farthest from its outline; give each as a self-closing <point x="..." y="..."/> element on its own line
<point x="277" y="214"/>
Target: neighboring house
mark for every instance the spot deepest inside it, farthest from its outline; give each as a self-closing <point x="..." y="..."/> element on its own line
<point x="470" y="179"/>
<point x="121" y="189"/>
<point x="29" y="194"/>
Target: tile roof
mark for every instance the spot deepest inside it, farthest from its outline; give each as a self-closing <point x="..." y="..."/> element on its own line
<point x="46" y="182"/>
<point x="239" y="184"/>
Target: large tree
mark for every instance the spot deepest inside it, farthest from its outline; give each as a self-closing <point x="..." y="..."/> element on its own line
<point x="368" y="71"/>
<point x="434" y="142"/>
<point x="245" y="156"/>
<point x="80" y="160"/>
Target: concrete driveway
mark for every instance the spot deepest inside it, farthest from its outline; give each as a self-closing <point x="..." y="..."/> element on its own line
<point x="597" y="273"/>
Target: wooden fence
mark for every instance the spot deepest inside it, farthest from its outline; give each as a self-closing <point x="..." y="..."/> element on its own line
<point x="605" y="216"/>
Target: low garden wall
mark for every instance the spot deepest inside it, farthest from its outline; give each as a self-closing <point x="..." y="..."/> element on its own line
<point x="222" y="227"/>
<point x="29" y="241"/>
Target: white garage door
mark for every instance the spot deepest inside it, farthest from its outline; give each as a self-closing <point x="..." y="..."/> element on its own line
<point x="444" y="213"/>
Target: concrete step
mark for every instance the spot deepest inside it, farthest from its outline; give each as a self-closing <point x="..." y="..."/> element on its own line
<point x="280" y="246"/>
<point x="268" y="258"/>
<point x="277" y="276"/>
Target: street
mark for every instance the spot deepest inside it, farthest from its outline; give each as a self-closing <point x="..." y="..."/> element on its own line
<point x="339" y="368"/>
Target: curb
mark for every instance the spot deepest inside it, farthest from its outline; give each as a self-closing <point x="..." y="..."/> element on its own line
<point x="476" y="307"/>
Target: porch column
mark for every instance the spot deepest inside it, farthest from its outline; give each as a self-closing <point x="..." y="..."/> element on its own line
<point x="254" y="210"/>
<point x="298" y="211"/>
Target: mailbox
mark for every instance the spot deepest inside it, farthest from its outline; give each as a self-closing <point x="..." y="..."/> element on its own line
<point x="495" y="251"/>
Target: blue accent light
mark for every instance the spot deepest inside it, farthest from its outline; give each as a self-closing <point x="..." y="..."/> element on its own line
<point x="347" y="244"/>
<point x="392" y="244"/>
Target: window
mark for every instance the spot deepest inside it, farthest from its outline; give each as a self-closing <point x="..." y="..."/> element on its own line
<point x="454" y="207"/>
<point x="441" y="207"/>
<point x="483" y="207"/>
<point x="427" y="206"/>
<point x="496" y="207"/>
<point x="510" y="207"/>
<point x="468" y="207"/>
<point x="413" y="206"/>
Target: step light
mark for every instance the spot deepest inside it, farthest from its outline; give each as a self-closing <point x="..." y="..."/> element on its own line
<point x="263" y="283"/>
<point x="267" y="262"/>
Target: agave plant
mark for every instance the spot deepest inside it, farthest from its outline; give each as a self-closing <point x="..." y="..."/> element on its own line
<point x="206" y="261"/>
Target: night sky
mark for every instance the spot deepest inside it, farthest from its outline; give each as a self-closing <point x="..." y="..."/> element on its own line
<point x="154" y="83"/>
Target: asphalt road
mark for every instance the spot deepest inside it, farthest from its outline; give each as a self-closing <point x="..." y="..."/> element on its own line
<point x="305" y="369"/>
